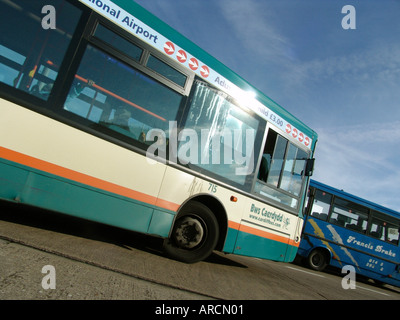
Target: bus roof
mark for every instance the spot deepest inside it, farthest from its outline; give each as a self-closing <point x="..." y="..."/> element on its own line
<point x="158" y="25"/>
<point x="361" y="201"/>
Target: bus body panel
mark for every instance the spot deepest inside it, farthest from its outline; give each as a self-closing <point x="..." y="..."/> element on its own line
<point x="267" y="232"/>
<point x="27" y="185"/>
<point x="53" y="142"/>
<point x="268" y="239"/>
<point x="368" y="265"/>
<point x="115" y="192"/>
<point x="333" y="235"/>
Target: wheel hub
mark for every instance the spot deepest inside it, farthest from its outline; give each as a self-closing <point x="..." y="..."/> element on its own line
<point x="189" y="233"/>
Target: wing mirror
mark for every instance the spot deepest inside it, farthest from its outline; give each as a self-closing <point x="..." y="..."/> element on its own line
<point x="309" y="167"/>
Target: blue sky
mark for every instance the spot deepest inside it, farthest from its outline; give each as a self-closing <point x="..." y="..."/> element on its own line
<point x="345" y="84"/>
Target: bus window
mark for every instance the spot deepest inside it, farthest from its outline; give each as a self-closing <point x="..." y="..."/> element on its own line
<point x="226" y="136"/>
<point x="350" y="215"/>
<point x="119" y="97"/>
<point x="165" y="70"/>
<point x="393" y="233"/>
<point x="277" y="161"/>
<point x="30" y="56"/>
<point x="384" y="228"/>
<point x="281" y="172"/>
<point x="116" y="41"/>
<point x="321" y="205"/>
<point x="377" y="229"/>
<point x="293" y="169"/>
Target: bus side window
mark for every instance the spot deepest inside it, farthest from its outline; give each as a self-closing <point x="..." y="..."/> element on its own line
<point x="265" y="164"/>
<point x="393" y="234"/>
<point x="377" y="229"/>
<point x="384" y="228"/>
<point x="120" y="98"/>
<point x="281" y="171"/>
<point x="217" y="119"/>
<point x="321" y="205"/>
<point x="349" y="215"/>
<point x="30" y="56"/>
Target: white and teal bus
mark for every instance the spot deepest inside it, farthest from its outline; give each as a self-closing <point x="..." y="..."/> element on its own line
<point x="110" y="115"/>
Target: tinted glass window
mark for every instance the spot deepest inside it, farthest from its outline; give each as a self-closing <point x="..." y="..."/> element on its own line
<point x="121" y="44"/>
<point x="119" y="97"/>
<point x="384" y="227"/>
<point x="219" y="137"/>
<point x="321" y="205"/>
<point x="30" y="55"/>
<point x="350" y="215"/>
<point x="293" y="170"/>
<point x="281" y="172"/>
<point x="165" y="70"/>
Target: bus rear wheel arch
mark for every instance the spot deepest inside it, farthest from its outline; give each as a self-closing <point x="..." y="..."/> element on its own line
<point x="194" y="235"/>
<point x="318" y="259"/>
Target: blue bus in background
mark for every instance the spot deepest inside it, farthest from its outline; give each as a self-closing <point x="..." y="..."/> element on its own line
<point x="342" y="229"/>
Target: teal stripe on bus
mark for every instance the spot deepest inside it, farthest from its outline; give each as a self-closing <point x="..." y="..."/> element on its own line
<point x="264" y="248"/>
<point x="34" y="187"/>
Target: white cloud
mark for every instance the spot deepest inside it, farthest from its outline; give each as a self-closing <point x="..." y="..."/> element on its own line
<point x="363" y="160"/>
<point x="376" y="64"/>
<point x="250" y="22"/>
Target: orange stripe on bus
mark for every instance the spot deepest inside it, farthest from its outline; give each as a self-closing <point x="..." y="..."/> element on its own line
<point x="167" y="205"/>
<point x="83" y="178"/>
<point x="233" y="225"/>
<point x="261" y="233"/>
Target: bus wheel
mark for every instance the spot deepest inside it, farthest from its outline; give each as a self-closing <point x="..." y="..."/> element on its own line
<point x="317" y="260"/>
<point x="194" y="235"/>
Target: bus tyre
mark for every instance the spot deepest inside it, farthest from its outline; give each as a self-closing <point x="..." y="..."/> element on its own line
<point x="194" y="235"/>
<point x="317" y="260"/>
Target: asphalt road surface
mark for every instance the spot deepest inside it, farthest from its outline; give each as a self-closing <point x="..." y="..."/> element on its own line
<point x="89" y="261"/>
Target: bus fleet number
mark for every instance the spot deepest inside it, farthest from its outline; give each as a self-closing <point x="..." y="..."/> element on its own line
<point x="212" y="188"/>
